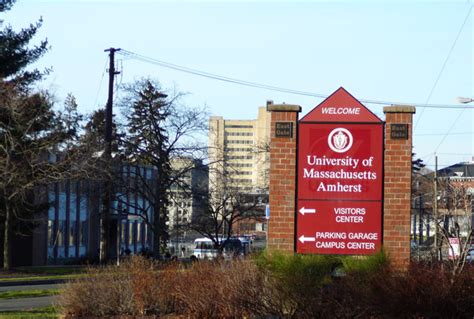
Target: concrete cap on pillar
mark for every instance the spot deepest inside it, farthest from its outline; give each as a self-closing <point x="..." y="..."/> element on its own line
<point x="283" y="108"/>
<point x="399" y="109"/>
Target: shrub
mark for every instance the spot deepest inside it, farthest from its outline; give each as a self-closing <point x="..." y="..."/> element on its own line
<point x="274" y="285"/>
<point x="365" y="264"/>
<point x="298" y="281"/>
<point x="422" y="292"/>
<point x="134" y="288"/>
<point x="223" y="289"/>
<point x="140" y="287"/>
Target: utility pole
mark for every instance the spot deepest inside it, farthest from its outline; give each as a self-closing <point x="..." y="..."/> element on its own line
<point x="420" y="221"/>
<point x="105" y="240"/>
<point x="435" y="207"/>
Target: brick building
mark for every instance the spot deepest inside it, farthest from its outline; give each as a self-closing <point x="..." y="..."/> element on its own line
<point x="455" y="202"/>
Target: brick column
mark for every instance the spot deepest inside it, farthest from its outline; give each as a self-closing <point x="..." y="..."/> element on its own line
<point x="281" y="226"/>
<point x="397" y="184"/>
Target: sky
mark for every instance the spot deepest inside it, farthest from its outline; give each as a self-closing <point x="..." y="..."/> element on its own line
<point x="391" y="52"/>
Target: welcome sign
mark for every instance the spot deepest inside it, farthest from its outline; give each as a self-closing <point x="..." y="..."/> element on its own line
<point x="339" y="178"/>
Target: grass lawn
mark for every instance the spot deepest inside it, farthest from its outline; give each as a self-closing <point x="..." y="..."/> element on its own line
<point x="42" y="273"/>
<point x="39" y="277"/>
<point x="51" y="270"/>
<point x="48" y="312"/>
<point x="28" y="293"/>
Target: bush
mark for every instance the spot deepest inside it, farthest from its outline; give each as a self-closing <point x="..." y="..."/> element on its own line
<point x="365" y="264"/>
<point x="134" y="288"/>
<point x="422" y="292"/>
<point x="223" y="289"/>
<point x="274" y="285"/>
<point x="297" y="281"/>
<point x="141" y="287"/>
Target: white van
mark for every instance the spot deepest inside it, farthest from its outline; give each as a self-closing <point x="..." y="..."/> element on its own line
<point x="204" y="248"/>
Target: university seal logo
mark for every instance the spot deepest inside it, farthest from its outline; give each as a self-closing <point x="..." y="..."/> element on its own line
<point x="340" y="140"/>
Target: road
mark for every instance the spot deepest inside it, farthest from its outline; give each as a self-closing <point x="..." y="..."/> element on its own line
<point x="30" y="287"/>
<point x="28" y="303"/>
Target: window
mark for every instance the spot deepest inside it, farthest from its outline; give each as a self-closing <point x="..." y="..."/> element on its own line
<point x="242" y="173"/>
<point x="238" y="126"/>
<point x="241" y="180"/>
<point x="72" y="221"/>
<point x="130" y="233"/>
<point x="123" y="235"/>
<point x="139" y="234"/>
<point x="240" y="164"/>
<point x="239" y="142"/>
<point x="83" y="233"/>
<point x="61" y="232"/>
<point x="50" y="233"/>
<point x="239" y="133"/>
<point x="231" y="157"/>
<point x="83" y="222"/>
<point x="238" y="149"/>
<point x="205" y="245"/>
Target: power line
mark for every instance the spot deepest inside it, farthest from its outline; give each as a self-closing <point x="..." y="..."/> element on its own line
<point x="136" y="56"/>
<point x="440" y="134"/>
<point x="428" y="157"/>
<point x="100" y="83"/>
<point x="456" y="154"/>
<point x="443" y="66"/>
<point x="433" y="165"/>
<point x="449" y="130"/>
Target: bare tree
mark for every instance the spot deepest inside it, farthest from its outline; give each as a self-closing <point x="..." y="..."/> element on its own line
<point x="29" y="129"/>
<point x="455" y="225"/>
<point x="31" y="134"/>
<point x="158" y="129"/>
<point x="229" y="201"/>
<point x="225" y="208"/>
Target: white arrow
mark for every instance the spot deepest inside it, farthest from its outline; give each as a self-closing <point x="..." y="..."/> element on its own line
<point x="303" y="239"/>
<point x="307" y="211"/>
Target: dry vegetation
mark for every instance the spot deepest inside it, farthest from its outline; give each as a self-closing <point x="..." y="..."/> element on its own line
<point x="271" y="287"/>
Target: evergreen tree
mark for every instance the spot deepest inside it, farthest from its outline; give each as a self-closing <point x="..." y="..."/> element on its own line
<point x="30" y="132"/>
<point x="92" y="139"/>
<point x="71" y="116"/>
<point x="15" y="55"/>
<point x="159" y="129"/>
<point x="6" y="5"/>
<point x="147" y="144"/>
<point x="416" y="164"/>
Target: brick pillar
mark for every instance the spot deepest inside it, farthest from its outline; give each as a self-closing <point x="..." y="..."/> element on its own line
<point x="281" y="226"/>
<point x="397" y="184"/>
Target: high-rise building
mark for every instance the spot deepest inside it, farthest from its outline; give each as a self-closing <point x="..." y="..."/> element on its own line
<point x="239" y="153"/>
<point x="187" y="195"/>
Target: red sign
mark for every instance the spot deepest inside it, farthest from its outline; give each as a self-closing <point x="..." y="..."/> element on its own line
<point x="341" y="107"/>
<point x="340" y="161"/>
<point x="344" y="227"/>
<point x="340" y="167"/>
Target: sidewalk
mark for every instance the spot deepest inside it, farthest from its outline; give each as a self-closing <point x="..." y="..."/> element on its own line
<point x="27" y="303"/>
<point x="20" y="282"/>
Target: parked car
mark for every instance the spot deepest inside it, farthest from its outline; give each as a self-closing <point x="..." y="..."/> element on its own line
<point x="470" y="254"/>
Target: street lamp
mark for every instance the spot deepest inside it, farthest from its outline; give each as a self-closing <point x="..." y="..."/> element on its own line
<point x="464" y="100"/>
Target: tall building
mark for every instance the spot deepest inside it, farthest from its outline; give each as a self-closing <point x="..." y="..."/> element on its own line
<point x="239" y="153"/>
<point x="186" y="196"/>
